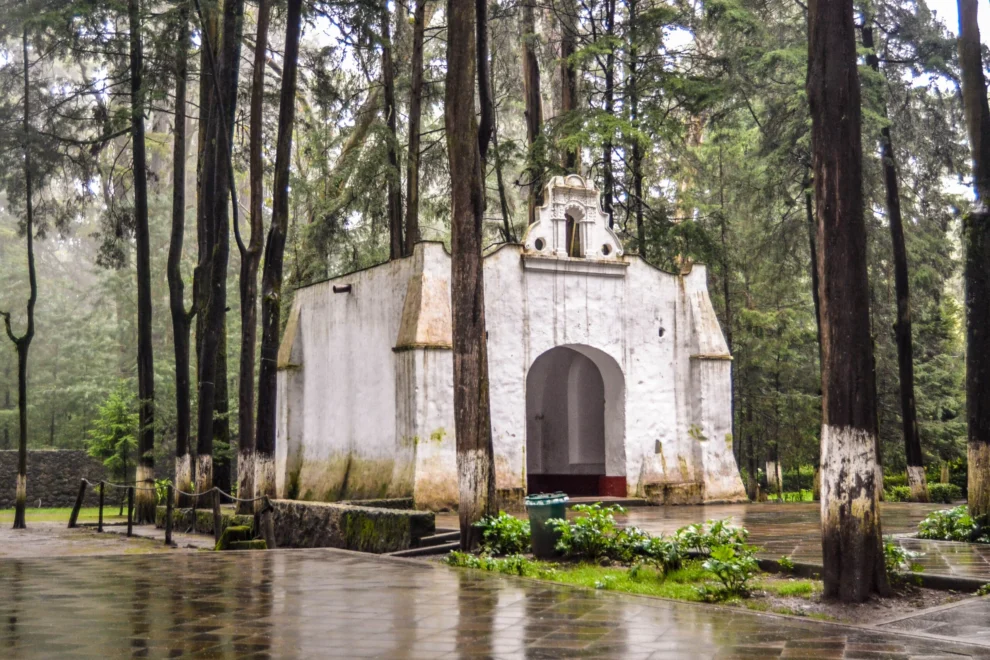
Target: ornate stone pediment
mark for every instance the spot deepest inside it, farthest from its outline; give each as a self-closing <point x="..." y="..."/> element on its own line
<point x="571" y="223"/>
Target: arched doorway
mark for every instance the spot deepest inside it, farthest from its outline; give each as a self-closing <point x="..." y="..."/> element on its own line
<point x="575" y="423"/>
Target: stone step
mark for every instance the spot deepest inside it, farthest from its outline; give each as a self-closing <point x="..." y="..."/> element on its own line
<point x="442" y="536"/>
<point x="427" y="551"/>
<point x="607" y="501"/>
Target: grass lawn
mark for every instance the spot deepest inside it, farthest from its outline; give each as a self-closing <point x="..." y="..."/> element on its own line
<point x="86" y="514"/>
<point x="679" y="584"/>
<point x="768" y="592"/>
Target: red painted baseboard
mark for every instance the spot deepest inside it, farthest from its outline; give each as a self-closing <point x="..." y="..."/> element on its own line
<point x="611" y="486"/>
<point x="577" y="484"/>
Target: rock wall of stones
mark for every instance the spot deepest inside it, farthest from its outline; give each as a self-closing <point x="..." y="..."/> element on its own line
<point x="52" y="479"/>
<point x="364" y="528"/>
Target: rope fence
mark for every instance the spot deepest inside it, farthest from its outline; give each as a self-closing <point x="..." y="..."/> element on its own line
<point x="263" y="522"/>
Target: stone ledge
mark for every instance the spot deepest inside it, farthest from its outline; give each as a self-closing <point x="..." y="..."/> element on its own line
<point x="351" y="527"/>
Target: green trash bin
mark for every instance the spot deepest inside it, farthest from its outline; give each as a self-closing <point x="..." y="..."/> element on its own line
<point x="542" y="508"/>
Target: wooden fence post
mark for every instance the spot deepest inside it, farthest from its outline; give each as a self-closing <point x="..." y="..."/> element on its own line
<point x="217" y="516"/>
<point x="169" y="503"/>
<point x="130" y="510"/>
<point x="99" y="526"/>
<point x="74" y="517"/>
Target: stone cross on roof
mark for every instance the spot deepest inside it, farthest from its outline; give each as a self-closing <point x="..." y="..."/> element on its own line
<point x="572" y="224"/>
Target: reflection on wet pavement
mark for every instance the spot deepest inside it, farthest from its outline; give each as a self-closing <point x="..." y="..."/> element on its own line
<point x="969" y="621"/>
<point x="794" y="530"/>
<point x="334" y="604"/>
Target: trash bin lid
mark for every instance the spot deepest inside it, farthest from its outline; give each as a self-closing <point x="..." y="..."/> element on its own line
<point x="546" y="499"/>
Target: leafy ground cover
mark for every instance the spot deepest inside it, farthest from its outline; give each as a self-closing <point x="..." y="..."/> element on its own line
<point x="953" y="525"/>
<point x="709" y="562"/>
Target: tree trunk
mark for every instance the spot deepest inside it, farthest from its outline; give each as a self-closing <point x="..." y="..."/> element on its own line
<point x="271" y="279"/>
<point x="415" y="121"/>
<point x="569" y="76"/>
<point x="250" y="261"/>
<point x="976" y="270"/>
<point x="221" y="417"/>
<point x="608" y="181"/>
<point x="813" y="249"/>
<point x="145" y="475"/>
<point x="217" y="189"/>
<point x="23" y="343"/>
<point x="394" y="181"/>
<point x="472" y="417"/>
<point x="503" y="203"/>
<point x="852" y="543"/>
<point x="181" y="319"/>
<point x="6" y="406"/>
<point x="53" y="401"/>
<point x="534" y="110"/>
<point x="637" y="151"/>
<point x="486" y="122"/>
<point x="752" y="484"/>
<point x="902" y="328"/>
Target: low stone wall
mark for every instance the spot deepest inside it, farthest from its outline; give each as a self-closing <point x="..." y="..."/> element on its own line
<point x="333" y="525"/>
<point x="183" y="520"/>
<point x="301" y="524"/>
<point x="52" y="477"/>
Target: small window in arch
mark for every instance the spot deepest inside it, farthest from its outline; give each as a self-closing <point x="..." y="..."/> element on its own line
<point x="573" y="237"/>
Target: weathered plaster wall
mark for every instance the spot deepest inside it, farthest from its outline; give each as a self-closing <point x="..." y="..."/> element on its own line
<point x="52" y="476"/>
<point x="336" y="433"/>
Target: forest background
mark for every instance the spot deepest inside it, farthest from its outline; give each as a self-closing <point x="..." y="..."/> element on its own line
<point x="691" y="117"/>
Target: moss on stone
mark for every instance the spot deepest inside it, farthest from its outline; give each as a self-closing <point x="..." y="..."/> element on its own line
<point x="182" y="519"/>
<point x="333" y="525"/>
<point x="233" y="534"/>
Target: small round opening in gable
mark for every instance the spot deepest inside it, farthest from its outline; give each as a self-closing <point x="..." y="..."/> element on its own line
<point x="539" y="244"/>
<point x="606" y="250"/>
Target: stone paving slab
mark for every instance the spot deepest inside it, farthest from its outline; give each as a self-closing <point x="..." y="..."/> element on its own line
<point x="968" y="621"/>
<point x="336" y="604"/>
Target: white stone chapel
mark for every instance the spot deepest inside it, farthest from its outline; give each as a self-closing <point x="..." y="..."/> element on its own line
<point x="607" y="375"/>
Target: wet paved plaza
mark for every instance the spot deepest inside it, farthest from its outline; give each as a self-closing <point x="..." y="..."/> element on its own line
<point x="335" y="604"/>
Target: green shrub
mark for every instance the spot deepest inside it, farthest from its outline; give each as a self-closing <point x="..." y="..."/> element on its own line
<point x="734" y="567"/>
<point x="952" y="525"/>
<point x="897" y="494"/>
<point x="504" y="534"/>
<point x="897" y="558"/>
<point x="893" y="480"/>
<point x="802" y="495"/>
<point x="592" y="535"/>
<point x="944" y="493"/>
<point x="664" y="553"/>
<point x="703" y="537"/>
<point x="786" y="563"/>
<point x="511" y="565"/>
<point x="113" y="437"/>
<point x="161" y="490"/>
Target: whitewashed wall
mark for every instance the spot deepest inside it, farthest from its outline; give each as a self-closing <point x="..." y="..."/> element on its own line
<point x="365" y="380"/>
